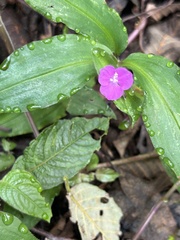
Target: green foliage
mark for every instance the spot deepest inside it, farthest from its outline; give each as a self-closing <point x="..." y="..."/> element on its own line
<point x="90" y="102"/>
<point x="6" y="161"/>
<point x="41" y="117"/>
<point x="20" y="189"/>
<point x="12" y="228"/>
<point x="54" y="78"/>
<point x="61" y="150"/>
<point x="32" y="78"/>
<point x="92" y="18"/>
<point x="106" y="175"/>
<point x="160" y="80"/>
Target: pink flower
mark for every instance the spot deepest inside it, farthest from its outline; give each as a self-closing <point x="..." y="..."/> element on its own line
<point x="114" y="81"/>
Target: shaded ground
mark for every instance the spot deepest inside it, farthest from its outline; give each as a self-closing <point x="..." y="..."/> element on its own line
<point x="143" y="181"/>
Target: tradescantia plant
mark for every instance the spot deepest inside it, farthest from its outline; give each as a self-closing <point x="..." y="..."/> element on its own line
<point x="55" y="75"/>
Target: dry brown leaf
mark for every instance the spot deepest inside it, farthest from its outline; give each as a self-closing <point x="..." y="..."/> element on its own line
<point x="163" y="11"/>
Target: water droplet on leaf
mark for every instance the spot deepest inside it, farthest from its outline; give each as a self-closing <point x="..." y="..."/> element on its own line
<point x="85" y="111"/>
<point x="7" y="218"/>
<point x="58" y="19"/>
<point x="96" y="53"/>
<point x="16" y="53"/>
<point x="61" y="97"/>
<point x="151" y="133"/>
<point x="32" y="179"/>
<point x="2" y="110"/>
<point x="77" y="30"/>
<point x="150" y="55"/>
<point x="5" y="64"/>
<point x="124" y="29"/>
<point x="22" y="228"/>
<point x="31" y="46"/>
<point x="39" y="189"/>
<point x="47" y="40"/>
<point x="16" y="110"/>
<point x="48" y="15"/>
<point x="8" y="109"/>
<point x="168" y="162"/>
<point x="46" y="204"/>
<point x="147" y="124"/>
<point x="61" y="38"/>
<point x="93" y="42"/>
<point x="145" y="118"/>
<point x="101" y="111"/>
<point x="139" y="108"/>
<point x="74" y="90"/>
<point x="103" y="53"/>
<point x="178" y="72"/>
<point x="170" y="64"/>
<point x="160" y="151"/>
<point x="32" y="107"/>
<point x="45" y="216"/>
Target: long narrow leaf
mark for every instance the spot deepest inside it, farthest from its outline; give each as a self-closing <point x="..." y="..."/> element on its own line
<point x="44" y="72"/>
<point x="160" y="79"/>
<point x="92" y="18"/>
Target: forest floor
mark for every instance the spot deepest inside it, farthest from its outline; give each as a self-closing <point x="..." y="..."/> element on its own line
<point x="153" y="27"/>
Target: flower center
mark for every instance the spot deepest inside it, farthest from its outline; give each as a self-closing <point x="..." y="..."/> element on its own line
<point x="114" y="79"/>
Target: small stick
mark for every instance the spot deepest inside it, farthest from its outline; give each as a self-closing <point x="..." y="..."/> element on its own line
<point x="155" y="209"/>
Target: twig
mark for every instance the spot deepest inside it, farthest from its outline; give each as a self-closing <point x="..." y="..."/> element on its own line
<point x="49" y="235"/>
<point x="155" y="209"/>
<point x="123" y="161"/>
<point x="4" y="129"/>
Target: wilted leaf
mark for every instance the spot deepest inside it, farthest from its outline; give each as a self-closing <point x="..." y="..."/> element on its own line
<point x="95" y="212"/>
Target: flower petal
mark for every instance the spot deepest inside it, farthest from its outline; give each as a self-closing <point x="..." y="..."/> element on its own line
<point x="106" y="74"/>
<point x="125" y="78"/>
<point x="111" y="92"/>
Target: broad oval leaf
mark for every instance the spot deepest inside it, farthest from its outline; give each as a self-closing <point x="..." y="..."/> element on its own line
<point x="91" y="18"/>
<point x="20" y="189"/>
<point x="95" y="212"/>
<point x="44" y="72"/>
<point x="160" y="79"/>
<point x="61" y="150"/>
<point x="12" y="228"/>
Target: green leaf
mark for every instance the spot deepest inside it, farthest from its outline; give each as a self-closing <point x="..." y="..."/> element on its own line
<point x="44" y="72"/>
<point x="95" y="212"/>
<point x="86" y="102"/>
<point x="61" y="150"/>
<point x="103" y="56"/>
<point x="106" y="175"/>
<point x="6" y="161"/>
<point x="31" y="221"/>
<point x="41" y="117"/>
<point x="93" y="162"/>
<point x="12" y="228"/>
<point x="20" y="189"/>
<point x="8" y="145"/>
<point x="131" y="103"/>
<point x="91" y="18"/>
<point x="160" y="80"/>
<point x="81" y="177"/>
